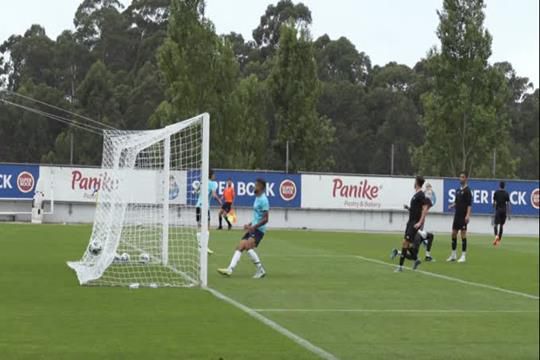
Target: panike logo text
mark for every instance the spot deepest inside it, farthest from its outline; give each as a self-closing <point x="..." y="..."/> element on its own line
<point x="362" y="190"/>
<point x="102" y="181"/>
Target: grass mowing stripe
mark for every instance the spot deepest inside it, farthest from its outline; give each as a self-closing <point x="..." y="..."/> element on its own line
<point x="435" y="311"/>
<point x="323" y="354"/>
<point x="449" y="278"/>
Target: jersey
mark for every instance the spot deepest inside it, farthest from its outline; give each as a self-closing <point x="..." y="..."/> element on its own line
<point x="501" y="199"/>
<point x="212" y="186"/>
<point x="260" y="207"/>
<point x="416" y="207"/>
<point x="463" y="201"/>
<point x="228" y="194"/>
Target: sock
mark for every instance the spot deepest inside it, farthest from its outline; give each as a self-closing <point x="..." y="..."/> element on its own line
<point x="220" y="220"/>
<point x="255" y="258"/>
<point x="454" y="245"/>
<point x="500" y="231"/>
<point x="235" y="259"/>
<point x="409" y="254"/>
<point x="430" y="238"/>
<point x="402" y="257"/>
<point x="428" y="254"/>
<point x="227" y="220"/>
<point x="495" y="230"/>
<point x="464" y="245"/>
<point x="414" y="252"/>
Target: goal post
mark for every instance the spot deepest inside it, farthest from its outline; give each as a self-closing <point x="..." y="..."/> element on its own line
<point x="145" y="231"/>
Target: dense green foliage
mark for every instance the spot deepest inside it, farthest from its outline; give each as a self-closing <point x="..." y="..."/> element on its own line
<point x="158" y="61"/>
<point x="338" y="300"/>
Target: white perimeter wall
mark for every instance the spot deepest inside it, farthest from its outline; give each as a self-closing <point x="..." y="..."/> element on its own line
<point x="348" y="220"/>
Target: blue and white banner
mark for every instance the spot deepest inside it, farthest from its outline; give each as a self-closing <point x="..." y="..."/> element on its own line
<point x="18" y="181"/>
<point x="524" y="196"/>
<point x="283" y="190"/>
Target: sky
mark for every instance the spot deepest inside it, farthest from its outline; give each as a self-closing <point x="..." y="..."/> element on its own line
<point x="386" y="30"/>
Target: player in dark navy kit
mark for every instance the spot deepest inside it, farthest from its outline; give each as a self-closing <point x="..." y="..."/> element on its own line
<point x="427" y="237"/>
<point x="462" y="216"/>
<point x="501" y="203"/>
<point x="417" y="214"/>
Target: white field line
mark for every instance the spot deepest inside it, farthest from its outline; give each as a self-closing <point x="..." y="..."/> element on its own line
<point x="323" y="354"/>
<point x="434" y="311"/>
<point x="449" y="278"/>
<point x="436" y="275"/>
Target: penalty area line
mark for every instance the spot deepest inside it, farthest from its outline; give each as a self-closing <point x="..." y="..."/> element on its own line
<point x="449" y="278"/>
<point x="323" y="354"/>
<point x="435" y="311"/>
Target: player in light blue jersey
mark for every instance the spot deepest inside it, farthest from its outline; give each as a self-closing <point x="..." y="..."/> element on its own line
<point x="211" y="193"/>
<point x="255" y="231"/>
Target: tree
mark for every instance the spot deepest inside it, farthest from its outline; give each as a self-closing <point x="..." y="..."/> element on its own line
<point x="339" y="60"/>
<point x="295" y="90"/>
<point x="90" y="17"/>
<point x="344" y="103"/>
<point x="98" y="100"/>
<point x="28" y="57"/>
<point x="394" y="118"/>
<point x="464" y="118"/>
<point x="267" y="34"/>
<point x="525" y="130"/>
<point x="148" y="20"/>
<point x="200" y="72"/>
<point x="248" y="149"/>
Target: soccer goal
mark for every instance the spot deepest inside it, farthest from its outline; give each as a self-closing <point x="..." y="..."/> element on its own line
<point x="145" y="231"/>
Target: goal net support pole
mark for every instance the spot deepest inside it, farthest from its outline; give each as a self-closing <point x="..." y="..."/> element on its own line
<point x="205" y="203"/>
<point x="166" y="190"/>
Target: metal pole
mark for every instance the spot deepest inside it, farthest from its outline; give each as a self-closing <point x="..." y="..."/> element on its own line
<point x="494" y="170"/>
<point x="287" y="157"/>
<point x="71" y="148"/>
<point x="286" y="172"/>
<point x="392" y="160"/>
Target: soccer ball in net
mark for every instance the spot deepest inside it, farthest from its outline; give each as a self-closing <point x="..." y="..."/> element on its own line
<point x="95" y="247"/>
<point x="196" y="186"/>
<point x="144" y="258"/>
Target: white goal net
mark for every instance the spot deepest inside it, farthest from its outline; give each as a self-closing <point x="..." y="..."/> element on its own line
<point x="145" y="231"/>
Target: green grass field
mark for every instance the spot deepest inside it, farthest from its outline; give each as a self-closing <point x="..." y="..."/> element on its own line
<point x="331" y="289"/>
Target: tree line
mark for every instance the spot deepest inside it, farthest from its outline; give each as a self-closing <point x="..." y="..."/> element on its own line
<point x="158" y="61"/>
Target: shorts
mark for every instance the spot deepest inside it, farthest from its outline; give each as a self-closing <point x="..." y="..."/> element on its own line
<point x="226" y="207"/>
<point x="459" y="223"/>
<point x="410" y="232"/>
<point x="198" y="214"/>
<point x="257" y="235"/>
<point x="500" y="217"/>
